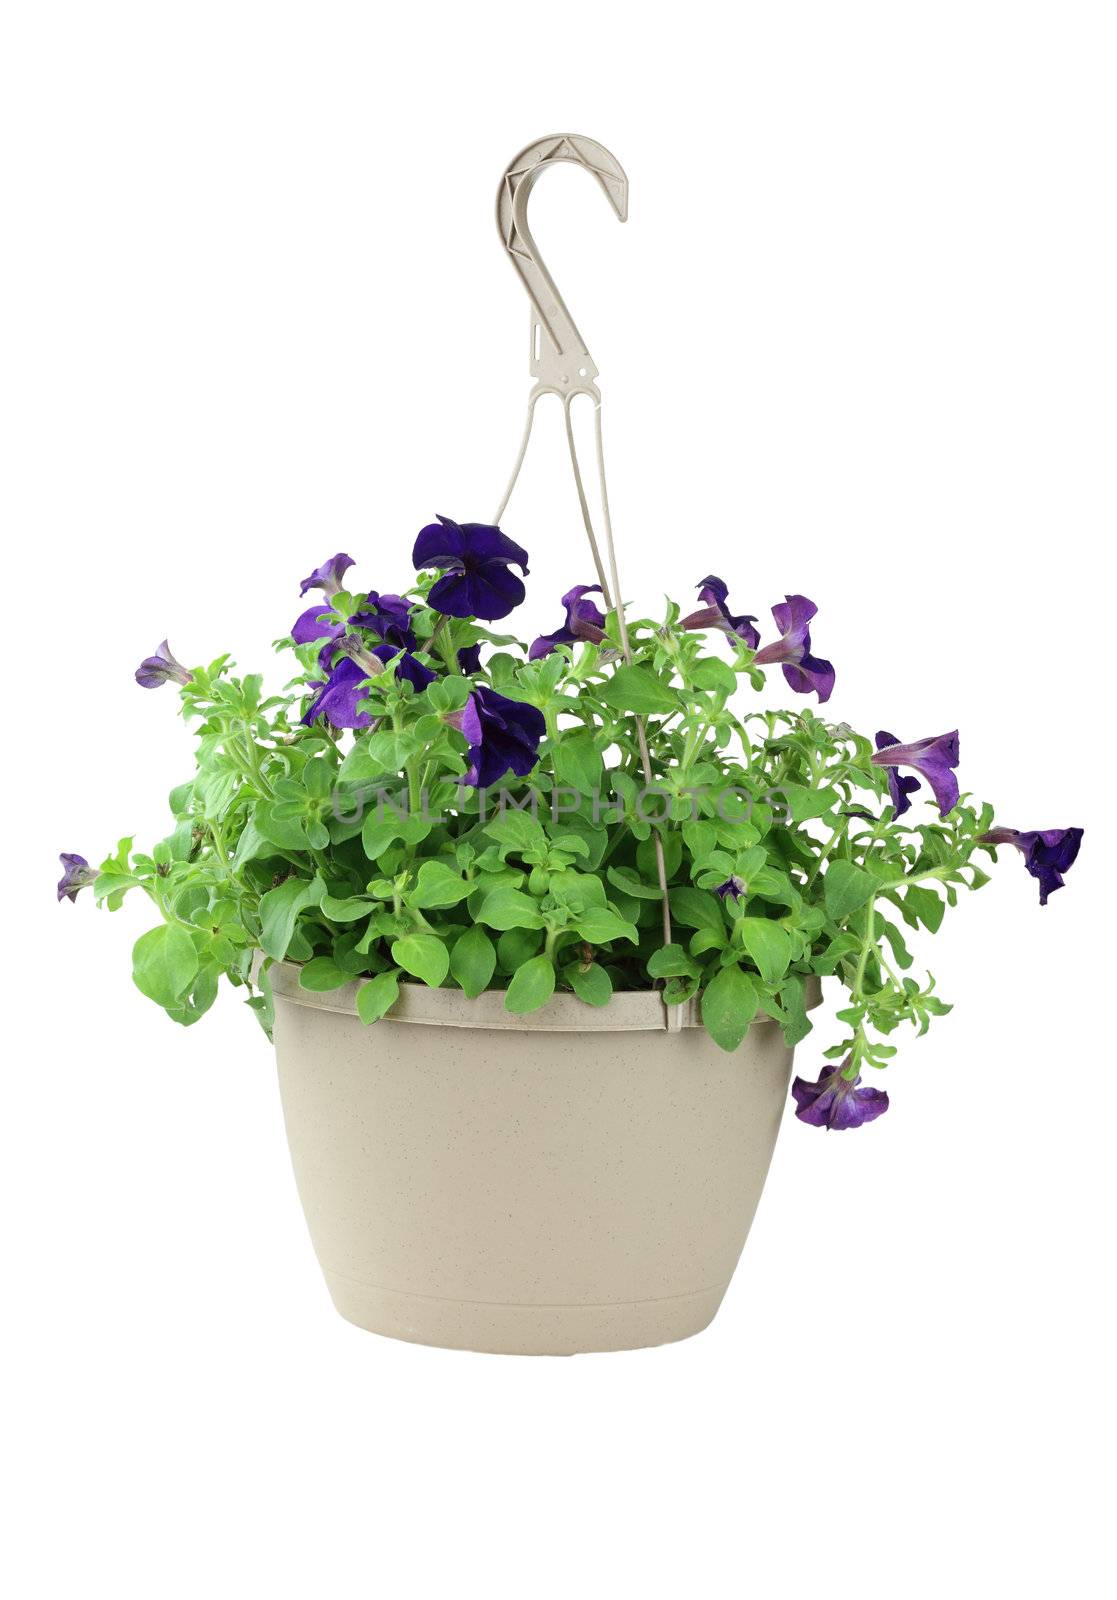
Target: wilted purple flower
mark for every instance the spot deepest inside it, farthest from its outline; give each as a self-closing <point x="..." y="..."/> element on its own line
<point x="388" y="616"/>
<point x="337" y="698"/>
<point x="469" y="660"/>
<point x="715" y="613"/>
<point x="161" y="668"/>
<point x="76" y="874"/>
<point x="804" y="672"/>
<point x="732" y="889"/>
<point x="408" y="667"/>
<point x="503" y="736"/>
<point x="1047" y="852"/>
<point x="934" y="759"/>
<point x="328" y="577"/>
<point x="898" y="787"/>
<point x="475" y="558"/>
<point x="836" y="1101"/>
<point x="583" y="621"/>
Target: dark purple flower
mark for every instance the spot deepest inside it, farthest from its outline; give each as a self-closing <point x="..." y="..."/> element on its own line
<point x="503" y="736"/>
<point x="836" y="1101"/>
<point x="328" y="577"/>
<point x="388" y="616"/>
<point x="337" y="698"/>
<point x="408" y="667"/>
<point x="732" y="889"/>
<point x="1047" y="852"/>
<point x="715" y="613"/>
<point x="76" y="874"/>
<point x="475" y="557"/>
<point x="934" y="759"/>
<point x="804" y="672"/>
<point x="583" y="621"/>
<point x="385" y="615"/>
<point x="161" y="668"/>
<point x="469" y="660"/>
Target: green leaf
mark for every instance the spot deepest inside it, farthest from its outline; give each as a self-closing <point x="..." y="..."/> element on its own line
<point x="729" y="1003"/>
<point x="599" y="925"/>
<point x="318" y="779"/>
<point x="531" y="987"/>
<point x="795" y="1022"/>
<point x="637" y="689"/>
<point x="281" y="827"/>
<point x="473" y="961"/>
<point x="591" y="984"/>
<point x="646" y="864"/>
<point x="710" y="673"/>
<point x="625" y="879"/>
<point x="768" y="944"/>
<point x="251" y="844"/>
<point x="847" y="888"/>
<point x="423" y="956"/>
<point x="279" y="911"/>
<point x="322" y="974"/>
<point x="672" y="961"/>
<point x="350" y="909"/>
<point x="804" y="803"/>
<point x="697" y="908"/>
<point x="438" y="886"/>
<point x="888" y="930"/>
<point x="578" y="763"/>
<point x="382" y="828"/>
<point x="926" y="906"/>
<point x="164" y="963"/>
<point x="376" y="755"/>
<point x="516" y="830"/>
<point x="510" y="908"/>
<point x="377" y="996"/>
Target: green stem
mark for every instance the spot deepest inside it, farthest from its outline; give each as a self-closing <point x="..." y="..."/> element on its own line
<point x="838" y="833"/>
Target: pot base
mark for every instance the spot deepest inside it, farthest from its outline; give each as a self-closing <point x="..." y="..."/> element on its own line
<point x="525" y="1330"/>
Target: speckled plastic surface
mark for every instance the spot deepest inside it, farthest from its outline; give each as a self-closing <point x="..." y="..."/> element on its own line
<point x="565" y="1182"/>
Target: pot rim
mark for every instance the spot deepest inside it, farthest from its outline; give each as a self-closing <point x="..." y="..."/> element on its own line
<point x="629" y="1010"/>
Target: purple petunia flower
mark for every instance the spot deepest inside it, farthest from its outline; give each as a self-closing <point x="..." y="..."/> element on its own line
<point x="337" y="698"/>
<point x="307" y="628"/>
<point x="388" y="616"/>
<point x="503" y="736"/>
<point x="732" y="889"/>
<point x="715" y="613"/>
<point x="934" y="760"/>
<point x="328" y="577"/>
<point x="469" y="660"/>
<point x="836" y="1101"/>
<point x="161" y="668"/>
<point x="385" y="615"/>
<point x="1047" y="852"/>
<point x="76" y="874"/>
<point x="804" y="672"/>
<point x="583" y="621"/>
<point x="350" y="665"/>
<point x="475" y="557"/>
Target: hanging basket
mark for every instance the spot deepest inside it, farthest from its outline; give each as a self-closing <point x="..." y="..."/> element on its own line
<point x="574" y="1179"/>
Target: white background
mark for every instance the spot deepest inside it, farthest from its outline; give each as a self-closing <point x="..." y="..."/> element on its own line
<point x="858" y="339"/>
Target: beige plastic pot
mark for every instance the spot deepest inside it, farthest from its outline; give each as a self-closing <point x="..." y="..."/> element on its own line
<point x="574" y="1180"/>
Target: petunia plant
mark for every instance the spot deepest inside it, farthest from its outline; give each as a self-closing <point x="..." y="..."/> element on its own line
<point x="431" y="801"/>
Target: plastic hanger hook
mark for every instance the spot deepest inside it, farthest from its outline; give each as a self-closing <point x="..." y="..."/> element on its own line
<point x="560" y="361"/>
